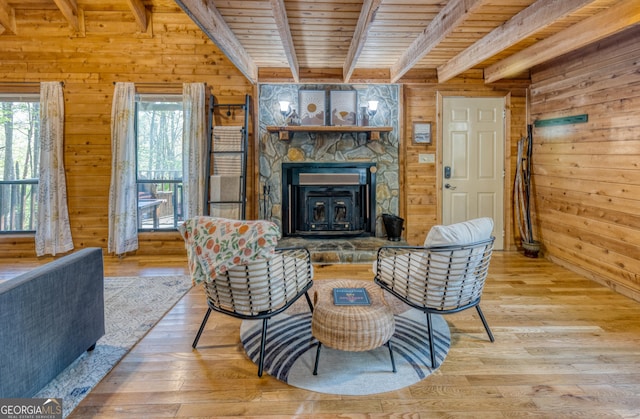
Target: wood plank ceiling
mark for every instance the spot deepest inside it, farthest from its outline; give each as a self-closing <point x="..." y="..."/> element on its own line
<point x="504" y="38"/>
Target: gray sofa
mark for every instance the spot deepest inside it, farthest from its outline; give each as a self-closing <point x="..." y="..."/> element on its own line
<point x="48" y="317"/>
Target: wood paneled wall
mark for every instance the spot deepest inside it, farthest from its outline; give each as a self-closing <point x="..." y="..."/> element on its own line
<point x="422" y="181"/>
<point x="587" y="176"/>
<point x="173" y="50"/>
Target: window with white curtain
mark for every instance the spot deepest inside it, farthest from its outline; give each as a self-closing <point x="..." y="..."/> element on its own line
<point x="159" y="129"/>
<point x="19" y="161"/>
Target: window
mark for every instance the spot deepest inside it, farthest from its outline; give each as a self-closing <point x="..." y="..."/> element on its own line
<point x="19" y="161"/>
<point x="159" y="161"/>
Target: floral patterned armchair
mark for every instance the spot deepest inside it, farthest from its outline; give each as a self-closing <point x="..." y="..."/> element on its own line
<point x="242" y="272"/>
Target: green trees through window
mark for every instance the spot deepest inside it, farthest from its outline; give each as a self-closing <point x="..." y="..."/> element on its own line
<point x="159" y="129"/>
<point x="19" y="162"/>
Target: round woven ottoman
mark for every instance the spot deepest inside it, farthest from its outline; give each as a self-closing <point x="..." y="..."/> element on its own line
<point x="351" y="327"/>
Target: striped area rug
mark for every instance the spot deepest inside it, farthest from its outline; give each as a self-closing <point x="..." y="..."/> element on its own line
<point x="291" y="350"/>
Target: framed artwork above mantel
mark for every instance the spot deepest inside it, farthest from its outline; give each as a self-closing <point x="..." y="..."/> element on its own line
<point x="344" y="107"/>
<point x="312" y="107"/>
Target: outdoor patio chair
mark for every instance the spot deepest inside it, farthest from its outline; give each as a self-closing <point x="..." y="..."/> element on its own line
<point x="446" y="275"/>
<point x="255" y="288"/>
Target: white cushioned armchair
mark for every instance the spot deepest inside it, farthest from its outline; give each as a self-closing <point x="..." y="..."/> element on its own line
<point x="446" y="275"/>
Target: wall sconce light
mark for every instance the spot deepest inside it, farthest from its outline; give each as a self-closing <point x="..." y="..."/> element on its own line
<point x="285" y="108"/>
<point x="372" y="108"/>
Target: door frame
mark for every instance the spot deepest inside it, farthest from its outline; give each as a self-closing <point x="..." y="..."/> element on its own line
<point x="507" y="184"/>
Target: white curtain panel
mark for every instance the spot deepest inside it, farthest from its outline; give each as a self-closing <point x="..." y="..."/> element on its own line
<point x="53" y="232"/>
<point x="194" y="148"/>
<point x="123" y="207"/>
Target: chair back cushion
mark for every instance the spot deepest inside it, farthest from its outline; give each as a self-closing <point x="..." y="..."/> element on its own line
<point x="466" y="232"/>
<point x="452" y="274"/>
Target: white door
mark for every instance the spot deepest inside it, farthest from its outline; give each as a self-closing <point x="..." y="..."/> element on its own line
<point x="473" y="161"/>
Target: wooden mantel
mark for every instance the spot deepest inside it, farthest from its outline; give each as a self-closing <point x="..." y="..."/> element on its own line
<point x="287" y="131"/>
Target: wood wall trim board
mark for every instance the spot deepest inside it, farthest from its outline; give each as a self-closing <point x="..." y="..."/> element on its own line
<point x="629" y="292"/>
<point x="579" y="262"/>
<point x="602" y="233"/>
<point x="594" y="188"/>
<point x="604" y="176"/>
<point x="585" y="160"/>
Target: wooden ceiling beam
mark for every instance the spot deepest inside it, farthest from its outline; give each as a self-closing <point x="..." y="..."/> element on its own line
<point x="445" y="22"/>
<point x="210" y="21"/>
<point x="526" y="23"/>
<point x="69" y="9"/>
<point x="611" y="20"/>
<point x="367" y="16"/>
<point x="7" y="18"/>
<point x="139" y="13"/>
<point x="282" y="22"/>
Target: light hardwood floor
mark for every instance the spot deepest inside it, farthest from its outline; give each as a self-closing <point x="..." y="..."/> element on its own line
<point x="565" y="347"/>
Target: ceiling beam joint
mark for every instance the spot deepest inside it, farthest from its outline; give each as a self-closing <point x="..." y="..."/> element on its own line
<point x="446" y="21"/>
<point x="606" y="23"/>
<point x="205" y="14"/>
<point x="534" y="18"/>
<point x="139" y="13"/>
<point x="366" y="19"/>
<point x="69" y="9"/>
<point x="282" y="22"/>
<point x="7" y="18"/>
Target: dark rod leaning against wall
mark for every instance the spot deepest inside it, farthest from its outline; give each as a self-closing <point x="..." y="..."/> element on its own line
<point x="522" y="195"/>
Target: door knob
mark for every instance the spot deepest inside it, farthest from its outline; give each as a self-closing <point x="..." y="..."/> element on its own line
<point x="449" y="186"/>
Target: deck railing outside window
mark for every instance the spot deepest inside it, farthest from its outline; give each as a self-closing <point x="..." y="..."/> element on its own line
<point x="159" y="124"/>
<point x="160" y="198"/>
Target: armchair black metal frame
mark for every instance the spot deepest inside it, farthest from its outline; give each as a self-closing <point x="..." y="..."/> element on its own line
<point x="260" y="290"/>
<point x="440" y="280"/>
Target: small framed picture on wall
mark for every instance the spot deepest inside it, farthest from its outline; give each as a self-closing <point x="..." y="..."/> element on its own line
<point x="422" y="132"/>
<point x="312" y="104"/>
<point x="343" y="107"/>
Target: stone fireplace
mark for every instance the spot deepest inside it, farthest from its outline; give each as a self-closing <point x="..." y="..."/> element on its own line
<point x="327" y="203"/>
<point x="328" y="199"/>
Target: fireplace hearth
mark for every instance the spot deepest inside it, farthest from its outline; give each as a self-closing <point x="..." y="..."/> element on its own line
<point x="328" y="199"/>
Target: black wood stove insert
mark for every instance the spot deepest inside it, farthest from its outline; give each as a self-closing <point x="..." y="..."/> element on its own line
<point x="328" y="199"/>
